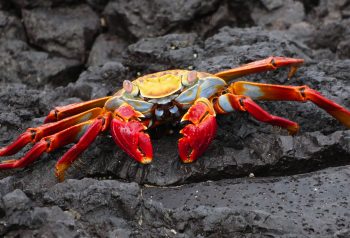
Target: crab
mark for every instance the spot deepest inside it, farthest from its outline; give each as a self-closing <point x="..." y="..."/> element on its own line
<point x="191" y="98"/>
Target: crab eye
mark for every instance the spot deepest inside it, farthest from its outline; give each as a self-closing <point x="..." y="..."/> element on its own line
<point x="189" y="78"/>
<point x="130" y="88"/>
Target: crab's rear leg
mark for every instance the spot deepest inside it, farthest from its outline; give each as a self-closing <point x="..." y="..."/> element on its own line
<point x="96" y="126"/>
<point x="85" y="132"/>
<point x="267" y="64"/>
<point x="230" y="102"/>
<point x="35" y="134"/>
<point x="260" y="91"/>
<point x="200" y="131"/>
<point x="58" y="113"/>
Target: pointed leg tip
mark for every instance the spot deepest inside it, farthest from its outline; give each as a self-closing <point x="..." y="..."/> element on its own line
<point x="187" y="161"/>
<point x="146" y="160"/>
<point x="60" y="171"/>
<point x="293" y="131"/>
<point x="285" y="61"/>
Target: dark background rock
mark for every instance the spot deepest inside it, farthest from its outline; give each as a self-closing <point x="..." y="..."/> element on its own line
<point x="60" y="52"/>
<point x="66" y="31"/>
<point x="134" y="20"/>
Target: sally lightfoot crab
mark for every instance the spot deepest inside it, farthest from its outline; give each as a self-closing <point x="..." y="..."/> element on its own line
<point x="191" y="97"/>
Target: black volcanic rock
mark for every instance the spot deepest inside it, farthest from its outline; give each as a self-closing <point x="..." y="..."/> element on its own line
<point x="11" y="27"/>
<point x="254" y="180"/>
<point x="106" y="48"/>
<point x="135" y="20"/>
<point x="290" y="206"/>
<point x="20" y="63"/>
<point x="66" y="31"/>
<point x="19" y="211"/>
<point x="278" y="14"/>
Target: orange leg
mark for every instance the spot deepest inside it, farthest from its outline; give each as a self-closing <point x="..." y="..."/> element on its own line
<point x="231" y="102"/>
<point x="99" y="124"/>
<point x="47" y="144"/>
<point x="267" y="64"/>
<point x="35" y="134"/>
<point x="291" y="93"/>
<point x="88" y="129"/>
<point x="58" y="113"/>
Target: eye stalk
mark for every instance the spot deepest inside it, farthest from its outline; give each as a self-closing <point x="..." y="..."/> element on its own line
<point x="190" y="78"/>
<point x="130" y="88"/>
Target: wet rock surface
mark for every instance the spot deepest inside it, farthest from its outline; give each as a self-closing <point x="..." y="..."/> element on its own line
<point x="255" y="180"/>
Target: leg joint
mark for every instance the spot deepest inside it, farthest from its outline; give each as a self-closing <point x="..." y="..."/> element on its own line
<point x="303" y="93"/>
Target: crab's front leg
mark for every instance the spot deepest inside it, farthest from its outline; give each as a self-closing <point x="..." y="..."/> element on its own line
<point x="128" y="133"/>
<point x="230" y="102"/>
<point x="200" y="131"/>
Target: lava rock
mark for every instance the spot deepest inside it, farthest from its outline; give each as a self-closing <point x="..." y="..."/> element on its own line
<point x="108" y="196"/>
<point x="20" y="63"/>
<point x="66" y="31"/>
<point x="133" y="21"/>
<point x="164" y="52"/>
<point x="6" y="185"/>
<point x="106" y="48"/>
<point x="19" y="211"/>
<point x="11" y="27"/>
<point x="97" y="5"/>
<point x="272" y="4"/>
<point x="291" y="206"/>
<point x="278" y="15"/>
<point x="15" y="200"/>
<point x="329" y="36"/>
<point x="100" y="81"/>
<point x="40" y="221"/>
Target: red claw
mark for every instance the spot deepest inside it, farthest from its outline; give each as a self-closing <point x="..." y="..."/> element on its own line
<point x="129" y="136"/>
<point x="198" y="135"/>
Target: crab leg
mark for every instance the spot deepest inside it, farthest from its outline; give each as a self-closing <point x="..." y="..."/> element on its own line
<point x="291" y="93"/>
<point x="127" y="132"/>
<point x="198" y="135"/>
<point x="48" y="144"/>
<point x="99" y="124"/>
<point x="35" y="134"/>
<point x="230" y="102"/>
<point x="267" y="64"/>
<point x="58" y="113"/>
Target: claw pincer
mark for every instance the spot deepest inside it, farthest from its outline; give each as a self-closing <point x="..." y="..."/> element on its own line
<point x="127" y="132"/>
<point x="197" y="135"/>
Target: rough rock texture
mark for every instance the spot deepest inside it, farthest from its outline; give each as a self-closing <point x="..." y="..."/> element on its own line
<point x="106" y="48"/>
<point x="254" y="180"/>
<point x="314" y="204"/>
<point x="66" y="31"/>
<point x="135" y="20"/>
